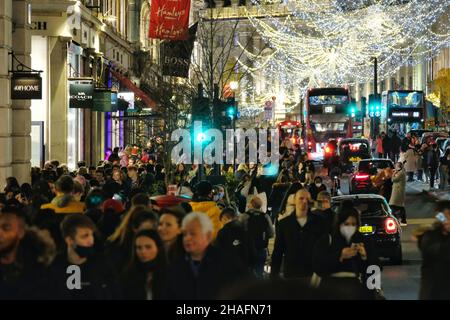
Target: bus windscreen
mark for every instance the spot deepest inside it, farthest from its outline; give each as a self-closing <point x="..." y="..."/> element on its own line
<point x="327" y="100"/>
<point x="397" y="99"/>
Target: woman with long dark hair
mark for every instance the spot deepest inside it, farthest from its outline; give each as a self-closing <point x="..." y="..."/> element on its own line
<point x="144" y="277"/>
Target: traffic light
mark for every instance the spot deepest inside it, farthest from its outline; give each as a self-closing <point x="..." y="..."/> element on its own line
<point x="200" y="109"/>
<point x="374" y="106"/>
<point x="231" y="108"/>
<point x="363" y="103"/>
<point x="352" y="108"/>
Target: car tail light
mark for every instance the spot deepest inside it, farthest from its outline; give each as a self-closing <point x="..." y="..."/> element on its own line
<point x="390" y="226"/>
<point x="361" y="176"/>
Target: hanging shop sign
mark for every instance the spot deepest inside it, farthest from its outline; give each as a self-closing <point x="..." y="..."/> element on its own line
<point x="176" y="55"/>
<point x="81" y="93"/>
<point x="105" y="100"/>
<point x="169" y="19"/>
<point x="26" y="85"/>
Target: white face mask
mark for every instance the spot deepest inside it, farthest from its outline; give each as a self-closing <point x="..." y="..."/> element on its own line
<point x="347" y="231"/>
<point x="318" y="185"/>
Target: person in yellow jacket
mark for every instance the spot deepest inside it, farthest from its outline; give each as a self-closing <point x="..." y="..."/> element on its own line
<point x="64" y="202"/>
<point x="202" y="202"/>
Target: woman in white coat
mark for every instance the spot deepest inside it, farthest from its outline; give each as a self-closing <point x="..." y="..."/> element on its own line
<point x="411" y="163"/>
<point x="397" y="201"/>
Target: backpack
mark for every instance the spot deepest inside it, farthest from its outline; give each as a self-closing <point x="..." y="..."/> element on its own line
<point x="258" y="230"/>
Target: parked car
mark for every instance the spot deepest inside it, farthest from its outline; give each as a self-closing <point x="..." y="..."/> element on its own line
<point x="378" y="224"/>
<point x="361" y="178"/>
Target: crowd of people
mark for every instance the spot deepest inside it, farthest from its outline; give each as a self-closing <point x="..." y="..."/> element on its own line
<point x="423" y="161"/>
<point x="98" y="233"/>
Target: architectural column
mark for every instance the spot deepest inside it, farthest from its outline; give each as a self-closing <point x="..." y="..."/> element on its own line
<point x="5" y="101"/>
<point x="21" y="112"/>
<point x="58" y="98"/>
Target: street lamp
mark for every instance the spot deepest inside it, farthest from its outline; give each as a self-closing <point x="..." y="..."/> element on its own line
<point x="234" y="85"/>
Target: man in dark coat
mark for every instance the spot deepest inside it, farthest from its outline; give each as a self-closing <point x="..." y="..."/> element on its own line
<point x="205" y="271"/>
<point x="387" y="147"/>
<point x="24" y="257"/>
<point x="80" y="273"/>
<point x="295" y="238"/>
<point x="396" y="143"/>
<point x="435" y="247"/>
<point x="233" y="237"/>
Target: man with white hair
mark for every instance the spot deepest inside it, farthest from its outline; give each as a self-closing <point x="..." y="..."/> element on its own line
<point x="205" y="270"/>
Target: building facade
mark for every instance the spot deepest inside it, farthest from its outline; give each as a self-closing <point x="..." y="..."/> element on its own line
<point x="77" y="40"/>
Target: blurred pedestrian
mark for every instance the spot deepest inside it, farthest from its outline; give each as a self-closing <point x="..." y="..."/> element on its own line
<point x="205" y="271"/>
<point x="145" y="276"/>
<point x="341" y="259"/>
<point x="434" y="245"/>
<point x="397" y="200"/>
<point x="296" y="236"/>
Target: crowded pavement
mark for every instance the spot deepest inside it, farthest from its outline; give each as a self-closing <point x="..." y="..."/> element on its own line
<point x="200" y="151"/>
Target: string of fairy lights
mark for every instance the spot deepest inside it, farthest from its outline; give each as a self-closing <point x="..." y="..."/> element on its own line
<point x="333" y="42"/>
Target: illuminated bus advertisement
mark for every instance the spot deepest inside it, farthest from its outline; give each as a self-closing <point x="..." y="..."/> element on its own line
<point x="326" y="116"/>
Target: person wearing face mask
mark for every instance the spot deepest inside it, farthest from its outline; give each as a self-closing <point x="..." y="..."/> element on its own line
<point x="342" y="257"/>
<point x="98" y="278"/>
<point x="316" y="187"/>
<point x="144" y="277"/>
<point x="323" y="208"/>
<point x="295" y="238"/>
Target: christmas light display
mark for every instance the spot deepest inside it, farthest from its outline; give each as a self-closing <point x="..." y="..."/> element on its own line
<point x="332" y="42"/>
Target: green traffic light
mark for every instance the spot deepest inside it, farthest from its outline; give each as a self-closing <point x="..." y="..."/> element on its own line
<point x="230" y="111"/>
<point x="201" y="137"/>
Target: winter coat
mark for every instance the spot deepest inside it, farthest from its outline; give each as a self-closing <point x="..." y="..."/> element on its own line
<point x="296" y="244"/>
<point x="188" y="280"/>
<point x="411" y="161"/>
<point x="435" y="281"/>
<point x="396" y="143"/>
<point x="398" y="189"/>
<point x="234" y="239"/>
<point x="28" y="277"/>
<point x="134" y="283"/>
<point x="379" y="148"/>
<point x="65" y="204"/>
<point x="99" y="280"/>
<point x="387" y="147"/>
<point x="326" y="263"/>
<point x="213" y="212"/>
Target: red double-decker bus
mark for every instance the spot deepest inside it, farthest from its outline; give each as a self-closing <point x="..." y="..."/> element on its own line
<point x="327" y="116"/>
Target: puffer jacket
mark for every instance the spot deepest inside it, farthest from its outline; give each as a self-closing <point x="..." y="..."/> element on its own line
<point x="213" y="212"/>
<point x="64" y="204"/>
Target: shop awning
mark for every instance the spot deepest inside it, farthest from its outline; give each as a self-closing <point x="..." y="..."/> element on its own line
<point x="131" y="86"/>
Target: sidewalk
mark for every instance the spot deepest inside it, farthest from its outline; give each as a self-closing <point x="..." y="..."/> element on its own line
<point x="422" y="187"/>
